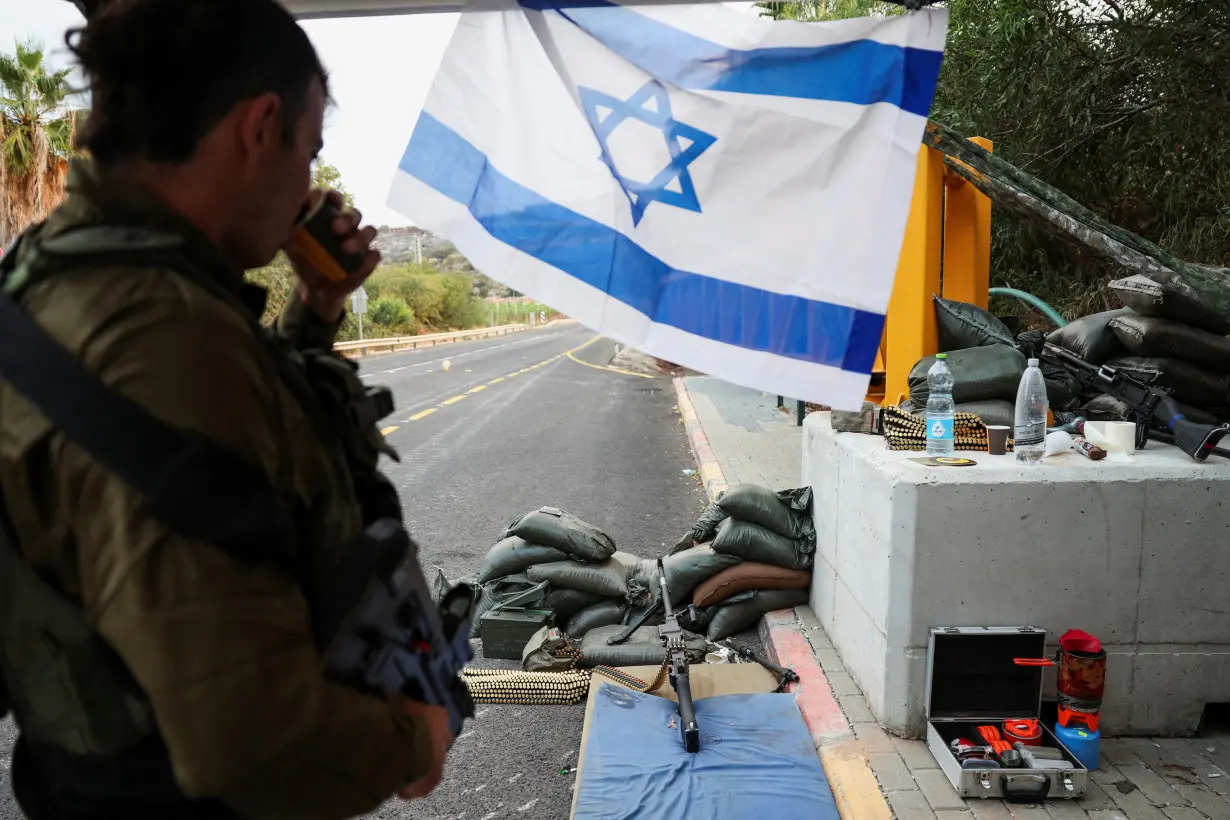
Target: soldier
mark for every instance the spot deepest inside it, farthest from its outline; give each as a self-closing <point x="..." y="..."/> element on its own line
<point x="155" y="675"/>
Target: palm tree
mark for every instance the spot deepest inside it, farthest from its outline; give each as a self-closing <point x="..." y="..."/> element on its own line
<point x="36" y="134"/>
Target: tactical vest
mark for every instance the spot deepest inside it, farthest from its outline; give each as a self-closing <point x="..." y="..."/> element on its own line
<point x="69" y="692"/>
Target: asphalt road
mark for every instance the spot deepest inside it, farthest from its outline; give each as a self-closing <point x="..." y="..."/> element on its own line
<point x="515" y="423"/>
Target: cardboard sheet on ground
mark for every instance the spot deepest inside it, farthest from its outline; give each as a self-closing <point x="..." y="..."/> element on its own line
<point x="756" y="753"/>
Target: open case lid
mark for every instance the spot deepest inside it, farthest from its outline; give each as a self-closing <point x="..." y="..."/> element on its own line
<point x="971" y="672"/>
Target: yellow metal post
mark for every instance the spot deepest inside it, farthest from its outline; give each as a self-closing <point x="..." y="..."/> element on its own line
<point x="967" y="238"/>
<point x="910" y="331"/>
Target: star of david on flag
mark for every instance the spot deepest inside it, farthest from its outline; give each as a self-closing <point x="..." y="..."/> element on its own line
<point x="652" y="106"/>
<point x="713" y="188"/>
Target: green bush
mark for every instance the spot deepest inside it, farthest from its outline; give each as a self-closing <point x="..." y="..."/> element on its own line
<point x="391" y="311"/>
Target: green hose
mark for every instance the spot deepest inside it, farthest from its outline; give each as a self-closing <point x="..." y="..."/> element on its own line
<point x="1029" y="298"/>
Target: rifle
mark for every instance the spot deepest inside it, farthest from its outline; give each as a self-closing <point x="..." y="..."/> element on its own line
<point x="672" y="639"/>
<point x="1151" y="407"/>
<point x="382" y="632"/>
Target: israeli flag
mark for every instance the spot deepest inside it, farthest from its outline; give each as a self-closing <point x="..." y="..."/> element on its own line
<point x="716" y="189"/>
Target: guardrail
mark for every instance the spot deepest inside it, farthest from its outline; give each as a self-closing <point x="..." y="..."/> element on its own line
<point x="364" y="346"/>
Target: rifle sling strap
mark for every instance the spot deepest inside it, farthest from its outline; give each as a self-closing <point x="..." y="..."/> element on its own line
<point x="193" y="486"/>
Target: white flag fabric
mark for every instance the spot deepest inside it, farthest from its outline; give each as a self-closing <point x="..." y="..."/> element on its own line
<point x="719" y="190"/>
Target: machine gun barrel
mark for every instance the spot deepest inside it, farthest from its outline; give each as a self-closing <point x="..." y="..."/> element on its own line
<point x="672" y="639"/>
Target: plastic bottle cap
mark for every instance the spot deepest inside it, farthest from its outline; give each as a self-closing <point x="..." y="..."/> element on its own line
<point x="1033" y="362"/>
<point x="941" y="355"/>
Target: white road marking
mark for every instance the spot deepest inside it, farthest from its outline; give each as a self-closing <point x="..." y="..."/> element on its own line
<point x="515" y="778"/>
<point x="528" y="805"/>
<point x="463" y="735"/>
<point x="480" y="787"/>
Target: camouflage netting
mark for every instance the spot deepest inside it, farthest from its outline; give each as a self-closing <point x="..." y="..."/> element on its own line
<point x="1032" y="199"/>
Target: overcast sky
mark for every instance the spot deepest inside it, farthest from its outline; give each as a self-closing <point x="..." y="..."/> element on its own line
<point x="380" y="67"/>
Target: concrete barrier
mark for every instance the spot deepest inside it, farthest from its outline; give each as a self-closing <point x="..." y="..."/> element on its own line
<point x="1133" y="553"/>
<point x="364" y="346"/>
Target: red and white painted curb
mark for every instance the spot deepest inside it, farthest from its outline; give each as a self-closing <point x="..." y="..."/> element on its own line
<point x="711" y="476"/>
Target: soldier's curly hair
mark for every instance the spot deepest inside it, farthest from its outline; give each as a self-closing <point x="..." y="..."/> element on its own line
<point x="164" y="73"/>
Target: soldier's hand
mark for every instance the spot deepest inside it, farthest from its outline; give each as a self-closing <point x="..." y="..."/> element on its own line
<point x="324" y="296"/>
<point x="436" y="720"/>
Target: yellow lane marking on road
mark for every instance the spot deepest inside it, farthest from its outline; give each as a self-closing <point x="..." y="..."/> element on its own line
<point x="608" y="367"/>
<point x="389" y="429"/>
<point x="424" y="413"/>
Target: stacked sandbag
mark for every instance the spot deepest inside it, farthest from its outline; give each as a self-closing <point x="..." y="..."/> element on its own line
<point x="987" y="359"/>
<point x="1164" y="335"/>
<point x="758" y="559"/>
<point x="550" y="559"/>
<point x="768" y="527"/>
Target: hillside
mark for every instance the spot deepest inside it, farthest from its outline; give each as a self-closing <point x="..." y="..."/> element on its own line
<point x="400" y="246"/>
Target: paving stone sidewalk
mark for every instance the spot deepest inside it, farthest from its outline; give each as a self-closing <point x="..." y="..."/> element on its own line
<point x="1138" y="779"/>
<point x="753" y="441"/>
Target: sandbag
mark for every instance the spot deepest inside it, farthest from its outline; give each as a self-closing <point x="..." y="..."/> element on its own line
<point x="1104" y="408"/>
<point x="752" y="542"/>
<point x="738" y="613"/>
<point x="643" y="586"/>
<point x="603" y="613"/>
<point x="749" y="575"/>
<point x="1062" y="388"/>
<point x="1090" y="337"/>
<point x="567" y="602"/>
<point x="991" y="372"/>
<point x="643" y="648"/>
<point x="963" y="325"/>
<point x="1191" y="383"/>
<point x="785" y="513"/>
<point x="1155" y="336"/>
<point x="608" y="578"/>
<point x="706" y="526"/>
<point x="991" y="411"/>
<point x="552" y="527"/>
<point x="512" y="555"/>
<point x="686" y="570"/>
<point x="1169" y="301"/>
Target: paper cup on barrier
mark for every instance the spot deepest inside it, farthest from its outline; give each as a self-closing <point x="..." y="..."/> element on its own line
<point x="997" y="439"/>
<point x="1117" y="438"/>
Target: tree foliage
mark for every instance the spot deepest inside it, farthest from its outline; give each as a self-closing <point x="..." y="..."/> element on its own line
<point x="391" y="312"/>
<point x="437" y="301"/>
<point x="325" y="175"/>
<point x="36" y="135"/>
<point x="1120" y="104"/>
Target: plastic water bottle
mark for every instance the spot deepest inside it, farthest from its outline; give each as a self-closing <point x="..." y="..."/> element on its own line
<point x="1029" y="431"/>
<point x="940" y="408"/>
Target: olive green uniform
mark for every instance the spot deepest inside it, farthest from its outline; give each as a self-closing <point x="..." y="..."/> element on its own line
<point x="222" y="648"/>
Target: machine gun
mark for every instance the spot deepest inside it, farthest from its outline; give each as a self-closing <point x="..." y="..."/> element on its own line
<point x="1151" y="407"/>
<point x="382" y="633"/>
<point x="672" y="639"/>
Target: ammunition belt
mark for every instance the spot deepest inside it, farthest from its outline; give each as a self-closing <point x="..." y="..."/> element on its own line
<point x="908" y="431"/>
<point x="513" y="687"/>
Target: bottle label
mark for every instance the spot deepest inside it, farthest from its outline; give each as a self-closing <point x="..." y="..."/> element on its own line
<point x="1027" y="435"/>
<point x="939" y="429"/>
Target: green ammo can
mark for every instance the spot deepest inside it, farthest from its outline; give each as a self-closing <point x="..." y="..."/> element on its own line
<point x="506" y="632"/>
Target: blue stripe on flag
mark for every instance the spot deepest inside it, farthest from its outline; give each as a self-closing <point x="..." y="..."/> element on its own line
<point x="858" y="71"/>
<point x="600" y="256"/>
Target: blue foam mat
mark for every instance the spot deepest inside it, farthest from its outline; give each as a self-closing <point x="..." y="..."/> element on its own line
<point x="756" y="759"/>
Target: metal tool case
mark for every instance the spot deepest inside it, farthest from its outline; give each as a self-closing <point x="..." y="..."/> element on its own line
<point x="972" y="680"/>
